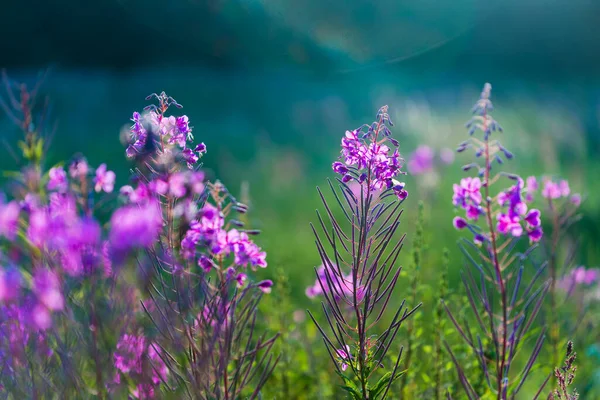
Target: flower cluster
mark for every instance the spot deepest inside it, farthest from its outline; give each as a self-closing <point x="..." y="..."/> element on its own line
<point x="167" y="134"/>
<point x="513" y="217"/>
<point x="579" y="276"/>
<point x="35" y="301"/>
<point x="494" y="220"/>
<point x="135" y="226"/>
<point x="209" y="231"/>
<point x="516" y="216"/>
<point x="422" y="160"/>
<point x="136" y="358"/>
<point x="104" y="180"/>
<point x="467" y="195"/>
<point x="552" y="189"/>
<point x="366" y="157"/>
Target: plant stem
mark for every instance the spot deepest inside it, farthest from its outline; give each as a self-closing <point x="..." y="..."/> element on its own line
<point x="554" y="330"/>
<point x="497" y="267"/>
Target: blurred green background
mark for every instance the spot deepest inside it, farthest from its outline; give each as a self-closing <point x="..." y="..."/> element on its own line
<point x="271" y="85"/>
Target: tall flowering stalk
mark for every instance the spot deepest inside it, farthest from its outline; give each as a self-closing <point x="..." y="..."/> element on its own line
<point x="359" y="251"/>
<point x="201" y="301"/>
<point x="561" y="209"/>
<point x="496" y="220"/>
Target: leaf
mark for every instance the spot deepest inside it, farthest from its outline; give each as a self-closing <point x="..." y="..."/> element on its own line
<point x="383" y="383"/>
<point x="379" y="386"/>
<point x="354" y="392"/>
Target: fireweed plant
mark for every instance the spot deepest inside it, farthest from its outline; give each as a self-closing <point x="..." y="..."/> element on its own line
<point x="359" y="254"/>
<point x="561" y="209"/>
<point x="200" y="300"/>
<point x="157" y="303"/>
<point x="495" y="221"/>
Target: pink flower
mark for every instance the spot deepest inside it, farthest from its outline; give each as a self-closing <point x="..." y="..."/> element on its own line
<point x="135" y="226"/>
<point x="421" y="160"/>
<point x="10" y="284"/>
<point x="9" y="219"/>
<point x="78" y="168"/>
<point x="531" y="186"/>
<point x="57" y="179"/>
<point x="551" y="190"/>
<point x="563" y="186"/>
<point x="47" y="288"/>
<point x="345" y="355"/>
<point x="507" y="224"/>
<point x="585" y="276"/>
<point x="104" y="180"/>
<point x="128" y="355"/>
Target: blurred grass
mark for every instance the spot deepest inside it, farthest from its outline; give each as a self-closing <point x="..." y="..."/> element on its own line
<point x="280" y="132"/>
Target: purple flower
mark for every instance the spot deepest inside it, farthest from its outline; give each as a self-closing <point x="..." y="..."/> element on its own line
<point x="9" y="219"/>
<point x="40" y="316"/>
<point x="509" y="224"/>
<point x="190" y="157"/>
<point x="158" y="186"/>
<point x="104" y="180"/>
<point x="421" y="161"/>
<point x="78" y="168"/>
<point x="200" y="148"/>
<point x="47" y="288"/>
<point x="478" y="239"/>
<point x="535" y="234"/>
<point x="339" y="168"/>
<point x="533" y="218"/>
<point x="345" y="356"/>
<point x="576" y="199"/>
<point x="241" y="279"/>
<point x="135" y="226"/>
<point x="459" y="223"/>
<point x="57" y="179"/>
<point x="128" y="355"/>
<point x="553" y="190"/>
<point x="531" y="186"/>
<point x="205" y="263"/>
<point x="196" y="181"/>
<point x="182" y="124"/>
<point x="159" y="369"/>
<point x="585" y="276"/>
<point x="366" y="155"/>
<point x="10" y="284"/>
<point x="467" y="195"/>
<point x="579" y="276"/>
<point x="265" y="286"/>
<point x="467" y="191"/>
<point x="563" y="186"/>
<point x="143" y="391"/>
<point x="177" y="183"/>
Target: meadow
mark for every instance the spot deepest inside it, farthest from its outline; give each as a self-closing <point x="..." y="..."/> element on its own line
<point x="169" y="253"/>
